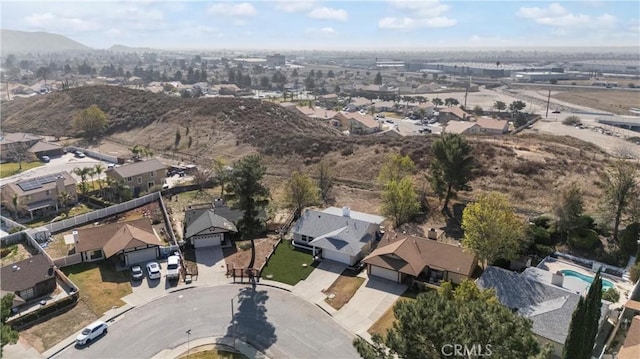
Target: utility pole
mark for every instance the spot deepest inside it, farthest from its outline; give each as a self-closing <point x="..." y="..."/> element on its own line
<point x="548" y="100"/>
<point x="466" y="93"/>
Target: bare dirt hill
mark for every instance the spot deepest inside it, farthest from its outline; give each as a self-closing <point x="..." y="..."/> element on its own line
<point x="531" y="169"/>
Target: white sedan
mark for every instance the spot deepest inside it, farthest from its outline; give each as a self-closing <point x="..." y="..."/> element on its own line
<point x="153" y="269"/>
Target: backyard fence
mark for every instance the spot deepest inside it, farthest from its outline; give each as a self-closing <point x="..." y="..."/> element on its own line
<point x="9" y="223"/>
<point x="56" y="227"/>
<point x="12" y="239"/>
<point x="68" y="260"/>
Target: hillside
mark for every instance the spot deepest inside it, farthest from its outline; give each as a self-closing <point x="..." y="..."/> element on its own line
<point x="530" y="168"/>
<point x="16" y="42"/>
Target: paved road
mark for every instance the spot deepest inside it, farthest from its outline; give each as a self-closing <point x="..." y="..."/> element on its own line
<point x="65" y="163"/>
<point x="272" y="320"/>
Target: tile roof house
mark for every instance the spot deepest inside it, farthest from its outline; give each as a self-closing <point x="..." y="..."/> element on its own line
<point x="9" y="141"/>
<point x="462" y="127"/>
<point x="337" y="234"/>
<point x="39" y="195"/>
<point x="492" y="126"/>
<point x="549" y="307"/>
<point x="203" y="227"/>
<point x="453" y="113"/>
<point x="631" y="346"/>
<point x="358" y="123"/>
<point x="140" y="176"/>
<point x="400" y="257"/>
<point x="133" y="242"/>
<point x="28" y="279"/>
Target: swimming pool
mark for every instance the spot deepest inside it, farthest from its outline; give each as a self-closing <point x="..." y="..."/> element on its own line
<point x="569" y="273"/>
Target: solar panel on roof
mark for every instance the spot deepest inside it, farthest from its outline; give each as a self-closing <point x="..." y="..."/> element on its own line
<point x="29" y="185"/>
<point x="48" y="179"/>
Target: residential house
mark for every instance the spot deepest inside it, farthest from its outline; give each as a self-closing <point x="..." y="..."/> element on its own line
<point x="42" y="148"/>
<point x="357" y="104"/>
<point x="358" y="123"/>
<point x="204" y="228"/>
<point x="422" y="109"/>
<point x="341" y="235"/>
<point x="385" y="106"/>
<point x="40" y="195"/>
<point x="329" y="100"/>
<point x="130" y="242"/>
<point x="316" y="112"/>
<point x="462" y="128"/>
<point x="453" y="113"/>
<point x="10" y="141"/>
<point x="28" y="279"/>
<point x="492" y="126"/>
<point x="140" y="176"/>
<point x="403" y="258"/>
<point x="548" y="306"/>
<point x="631" y="347"/>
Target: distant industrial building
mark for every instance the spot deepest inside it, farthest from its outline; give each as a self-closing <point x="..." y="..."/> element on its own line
<point x="486" y="69"/>
<point x="604" y="66"/>
<point x="276" y="60"/>
<point x="540" y="76"/>
<point x="386" y="64"/>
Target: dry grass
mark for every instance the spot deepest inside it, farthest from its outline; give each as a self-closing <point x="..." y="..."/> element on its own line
<point x="615" y="101"/>
<point x="209" y="352"/>
<point x="385" y="322"/>
<point x="14" y="253"/>
<point x="45" y="335"/>
<point x="100" y="286"/>
<point x="343" y="289"/>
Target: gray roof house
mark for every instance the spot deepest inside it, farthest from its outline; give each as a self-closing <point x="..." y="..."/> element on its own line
<point x="337" y="234"/>
<point x="549" y="307"/>
<point x="203" y="227"/>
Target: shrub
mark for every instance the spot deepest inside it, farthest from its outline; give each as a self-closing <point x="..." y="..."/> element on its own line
<point x="543" y="251"/>
<point x="629" y="240"/>
<point x="611" y="295"/>
<point x="542" y="221"/>
<point x="244" y="245"/>
<point x="571" y="121"/>
<point x="584" y="239"/>
<point x="634" y="273"/>
<point x="540" y="235"/>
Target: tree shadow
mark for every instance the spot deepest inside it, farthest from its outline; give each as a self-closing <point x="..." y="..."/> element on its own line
<point x="454" y="221"/>
<point x="250" y="322"/>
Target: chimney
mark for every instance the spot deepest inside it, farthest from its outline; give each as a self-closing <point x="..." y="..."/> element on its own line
<point x="432" y="234"/>
<point x="346" y="212"/>
<point x="557" y="279"/>
<point x="76" y="238"/>
<point x="60" y="184"/>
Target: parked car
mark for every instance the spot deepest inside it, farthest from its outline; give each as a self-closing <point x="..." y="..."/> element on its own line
<point x="45" y="159"/>
<point x="173" y="267"/>
<point x="136" y="273"/>
<point x="153" y="270"/>
<point x="80" y="154"/>
<point x="91" y="332"/>
<point x="556" y="111"/>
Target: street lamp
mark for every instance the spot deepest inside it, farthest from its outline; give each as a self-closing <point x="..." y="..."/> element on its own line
<point x="188" y="337"/>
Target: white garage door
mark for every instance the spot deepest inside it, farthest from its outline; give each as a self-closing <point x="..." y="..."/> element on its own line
<point x="336" y="256"/>
<point x="384" y="273"/>
<point x="141" y="256"/>
<point x="207" y="241"/>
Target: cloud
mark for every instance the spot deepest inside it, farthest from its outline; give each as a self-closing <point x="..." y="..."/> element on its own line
<point x="325" y="31"/>
<point x="555" y="15"/>
<point x="244" y="9"/>
<point x="417" y="14"/>
<point x="52" y="22"/>
<point x="295" y="6"/>
<point x="327" y="13"/>
<point x="399" y="23"/>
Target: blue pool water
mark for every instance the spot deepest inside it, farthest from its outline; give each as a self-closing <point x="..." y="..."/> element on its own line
<point x="569" y="273"/>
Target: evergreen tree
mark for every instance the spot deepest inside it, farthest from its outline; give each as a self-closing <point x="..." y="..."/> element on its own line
<point x="584" y="323"/>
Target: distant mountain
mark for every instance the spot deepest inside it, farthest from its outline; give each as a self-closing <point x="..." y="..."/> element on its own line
<point x="18" y="42"/>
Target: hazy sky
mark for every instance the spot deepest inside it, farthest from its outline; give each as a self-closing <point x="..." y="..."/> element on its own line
<point x="331" y="24"/>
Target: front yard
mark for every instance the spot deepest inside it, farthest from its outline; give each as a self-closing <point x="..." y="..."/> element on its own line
<point x="288" y="264"/>
<point x="341" y="291"/>
<point x="239" y="255"/>
<point x="385" y="322"/>
<point x="10" y="169"/>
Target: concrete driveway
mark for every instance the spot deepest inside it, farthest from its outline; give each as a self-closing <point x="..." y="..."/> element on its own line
<point x="320" y="278"/>
<point x="371" y="300"/>
<point x="212" y="267"/>
<point x="147" y="289"/>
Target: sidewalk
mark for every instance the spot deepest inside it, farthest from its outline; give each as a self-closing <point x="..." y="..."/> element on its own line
<point x="244" y="348"/>
<point x="20" y="350"/>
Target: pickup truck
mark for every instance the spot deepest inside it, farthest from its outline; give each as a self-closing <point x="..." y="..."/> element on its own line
<point x="173" y="267"/>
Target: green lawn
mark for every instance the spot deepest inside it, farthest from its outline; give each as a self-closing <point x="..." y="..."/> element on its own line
<point x="101" y="287"/>
<point x="286" y="264"/>
<point x="10" y="169"/>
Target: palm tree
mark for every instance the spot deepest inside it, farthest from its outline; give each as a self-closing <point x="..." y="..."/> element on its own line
<point x="83" y="173"/>
<point x="98" y="169"/>
<point x="64" y="199"/>
<point x="136" y="151"/>
<point x="147" y="151"/>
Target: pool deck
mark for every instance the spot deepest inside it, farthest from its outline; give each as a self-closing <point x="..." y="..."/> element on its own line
<point x="575" y="284"/>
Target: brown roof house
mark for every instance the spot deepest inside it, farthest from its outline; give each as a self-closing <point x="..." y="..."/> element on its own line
<point x="46" y="149"/>
<point x="40" y="195"/>
<point x="401" y="258"/>
<point x="28" y="279"/>
<point x="462" y="127"/>
<point x="140" y="176"/>
<point x="631" y="347"/>
<point x="492" y="126"/>
<point x="133" y="242"/>
<point x="453" y="113"/>
<point x="358" y="124"/>
<point x="11" y="141"/>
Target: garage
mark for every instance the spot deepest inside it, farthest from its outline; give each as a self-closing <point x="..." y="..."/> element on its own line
<point x="336" y="256"/>
<point x="141" y="256"/>
<point x="384" y="273"/>
<point x="207" y="241"/>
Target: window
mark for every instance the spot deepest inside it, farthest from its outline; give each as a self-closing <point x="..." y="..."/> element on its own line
<point x="150" y="184"/>
<point x="139" y="180"/>
<point x="27" y="294"/>
<point x="97" y="254"/>
<point x="48" y="192"/>
<point x="153" y="173"/>
<point x="129" y="179"/>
